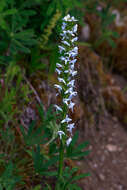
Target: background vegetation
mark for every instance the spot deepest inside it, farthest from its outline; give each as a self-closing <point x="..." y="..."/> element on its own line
<point x="29" y="37"/>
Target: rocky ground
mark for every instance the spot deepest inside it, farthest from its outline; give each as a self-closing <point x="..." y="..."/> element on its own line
<point x="107" y="162"/>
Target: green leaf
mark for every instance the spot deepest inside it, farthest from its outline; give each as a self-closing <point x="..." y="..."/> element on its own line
<point x="79" y="154"/>
<point x="25" y="34"/>
<point x="51" y="8"/>
<point x="112" y="43"/>
<point x="74" y="187"/>
<point x="9" y="12"/>
<point x="75" y="178"/>
<point x="50" y="173"/>
<point x="52" y="161"/>
<point x="38" y="160"/>
<point x="19" y="46"/>
<point x="81" y="146"/>
<point x="115" y="34"/>
<point x="54" y="58"/>
<point x="75" y="138"/>
<point x="2" y="5"/>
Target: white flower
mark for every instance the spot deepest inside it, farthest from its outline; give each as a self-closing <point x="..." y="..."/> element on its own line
<point x="73" y="73"/>
<point x="73" y="54"/>
<point x="75" y="49"/>
<point x="68" y="141"/>
<point x="73" y="61"/>
<point x="71" y="106"/>
<point x="67" y="18"/>
<point x="72" y="66"/>
<point x="61" y="80"/>
<point x="65" y="34"/>
<point x="69" y="90"/>
<point x="58" y="87"/>
<point x="66" y="60"/>
<point x="58" y="108"/>
<point x="70" y="127"/>
<point x="65" y="100"/>
<point x="75" y="28"/>
<point x="62" y="58"/>
<point x="66" y="120"/>
<point x="74" y="39"/>
<point x="73" y="18"/>
<point x="61" y="48"/>
<point x="66" y="71"/>
<point x="64" y="25"/>
<point x="66" y="43"/>
<point x="60" y="133"/>
<point x="72" y="94"/>
<point x="58" y="71"/>
<point x="59" y="65"/>
<point x="70" y="32"/>
<point x="71" y="83"/>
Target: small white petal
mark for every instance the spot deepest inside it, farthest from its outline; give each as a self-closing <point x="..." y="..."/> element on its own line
<point x="74" y="73"/>
<point x="66" y="43"/>
<point x="71" y="106"/>
<point x="73" y="61"/>
<point x="69" y="90"/>
<point x="70" y="32"/>
<point x="65" y="59"/>
<point x="75" y="28"/>
<point x="71" y="83"/>
<point x="66" y="71"/>
<point x="70" y="127"/>
<point x="59" y="65"/>
<point x="72" y="67"/>
<point x="58" y="108"/>
<point x="61" y="80"/>
<point x="66" y="120"/>
<point x="64" y="25"/>
<point x="62" y="58"/>
<point x="75" y="50"/>
<point x="74" y="39"/>
<point x="66" y="18"/>
<point x="68" y="141"/>
<point x="61" y="48"/>
<point x="60" y="133"/>
<point x="73" y="18"/>
<point x="58" y="71"/>
<point x="72" y="94"/>
<point x="65" y="100"/>
<point x="58" y="87"/>
<point x="73" y="54"/>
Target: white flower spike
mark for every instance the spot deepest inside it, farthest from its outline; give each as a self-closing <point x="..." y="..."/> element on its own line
<point x="66" y="72"/>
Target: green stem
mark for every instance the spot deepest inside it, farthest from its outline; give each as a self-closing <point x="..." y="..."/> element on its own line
<point x="61" y="162"/>
<point x="61" y="159"/>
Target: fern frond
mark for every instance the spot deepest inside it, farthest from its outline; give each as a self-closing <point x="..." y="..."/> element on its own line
<point x="48" y="31"/>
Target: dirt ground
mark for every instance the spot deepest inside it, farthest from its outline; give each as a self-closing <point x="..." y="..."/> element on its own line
<point x="107" y="162"/>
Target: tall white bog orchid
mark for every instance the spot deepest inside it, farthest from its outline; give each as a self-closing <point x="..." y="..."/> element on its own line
<point x="65" y="71"/>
